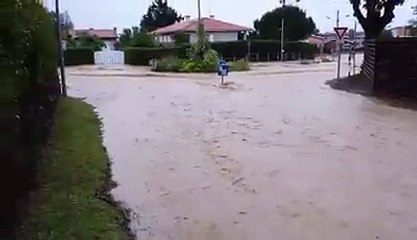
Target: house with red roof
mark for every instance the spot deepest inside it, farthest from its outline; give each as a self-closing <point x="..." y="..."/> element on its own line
<point x="109" y="36"/>
<point x="216" y="30"/>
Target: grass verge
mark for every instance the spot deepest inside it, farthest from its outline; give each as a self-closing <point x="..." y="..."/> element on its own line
<point x="73" y="200"/>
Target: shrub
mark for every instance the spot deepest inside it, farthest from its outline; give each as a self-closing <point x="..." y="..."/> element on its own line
<point x="78" y="56"/>
<point x="208" y="64"/>
<point x="170" y="64"/>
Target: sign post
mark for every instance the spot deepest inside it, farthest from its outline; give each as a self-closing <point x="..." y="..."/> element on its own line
<point x="222" y="70"/>
<point x="340" y="32"/>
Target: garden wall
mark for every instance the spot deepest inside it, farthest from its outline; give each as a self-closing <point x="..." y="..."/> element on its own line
<point x="391" y="65"/>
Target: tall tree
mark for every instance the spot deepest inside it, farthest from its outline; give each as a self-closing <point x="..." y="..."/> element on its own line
<point x="374" y="15"/>
<point x="297" y="25"/>
<point x="159" y="15"/>
<point x="135" y="38"/>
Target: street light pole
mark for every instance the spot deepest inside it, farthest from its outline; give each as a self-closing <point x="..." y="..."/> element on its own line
<point x="60" y="50"/>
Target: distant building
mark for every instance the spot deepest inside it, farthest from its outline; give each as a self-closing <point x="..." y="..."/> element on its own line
<point x="216" y="30"/>
<point x="109" y="36"/>
<point x="327" y="41"/>
<point x="403" y="31"/>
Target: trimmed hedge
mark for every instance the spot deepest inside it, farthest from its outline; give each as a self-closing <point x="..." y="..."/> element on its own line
<point x="78" y="56"/>
<point x="141" y="56"/>
<point x="265" y="50"/>
<point x="261" y="50"/>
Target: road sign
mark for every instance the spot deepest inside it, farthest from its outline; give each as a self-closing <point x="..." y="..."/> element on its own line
<point x="340" y="32"/>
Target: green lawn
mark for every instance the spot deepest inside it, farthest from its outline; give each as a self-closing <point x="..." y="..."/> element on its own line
<point x="72" y="201"/>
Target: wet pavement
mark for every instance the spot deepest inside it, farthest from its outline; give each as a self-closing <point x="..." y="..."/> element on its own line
<point x="270" y="156"/>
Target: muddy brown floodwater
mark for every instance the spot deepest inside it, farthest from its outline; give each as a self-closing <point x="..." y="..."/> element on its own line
<point x="270" y="156"/>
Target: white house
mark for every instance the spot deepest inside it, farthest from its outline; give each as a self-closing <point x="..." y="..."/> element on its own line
<point x="216" y="30"/>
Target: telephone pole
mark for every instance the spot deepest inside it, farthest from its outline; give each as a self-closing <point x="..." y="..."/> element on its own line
<point x="60" y="49"/>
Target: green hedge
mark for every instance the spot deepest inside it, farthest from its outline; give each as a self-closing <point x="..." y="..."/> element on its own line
<point x="261" y="50"/>
<point x="141" y="56"/>
<point x="78" y="56"/>
<point x="264" y="50"/>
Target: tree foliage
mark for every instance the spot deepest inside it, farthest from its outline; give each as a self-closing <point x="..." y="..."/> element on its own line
<point x="28" y="42"/>
<point x="159" y="15"/>
<point x="89" y="41"/>
<point x="297" y="25"/>
<point x="374" y="15"/>
<point x="132" y="37"/>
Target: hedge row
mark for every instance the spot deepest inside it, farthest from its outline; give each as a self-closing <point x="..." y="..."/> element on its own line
<point x="78" y="56"/>
<point x="28" y="97"/>
<point x="141" y="56"/>
<point x="265" y="50"/>
<point x="260" y="50"/>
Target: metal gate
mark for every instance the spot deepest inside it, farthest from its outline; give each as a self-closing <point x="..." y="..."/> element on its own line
<point x="109" y="57"/>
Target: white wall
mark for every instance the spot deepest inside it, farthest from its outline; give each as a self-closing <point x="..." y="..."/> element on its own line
<point x="225" y="36"/>
<point x="217" y="37"/>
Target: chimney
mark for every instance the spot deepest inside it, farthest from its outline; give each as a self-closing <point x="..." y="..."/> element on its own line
<point x="211" y="16"/>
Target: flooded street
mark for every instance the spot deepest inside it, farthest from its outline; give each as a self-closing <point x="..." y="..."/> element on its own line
<point x="270" y="156"/>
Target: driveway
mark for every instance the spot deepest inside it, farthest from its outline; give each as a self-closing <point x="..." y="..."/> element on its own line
<point x="274" y="155"/>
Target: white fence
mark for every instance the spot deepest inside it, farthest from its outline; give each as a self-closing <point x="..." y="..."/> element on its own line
<point x="108" y="57"/>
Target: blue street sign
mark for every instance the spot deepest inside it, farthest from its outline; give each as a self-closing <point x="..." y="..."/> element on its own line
<point x="222" y="68"/>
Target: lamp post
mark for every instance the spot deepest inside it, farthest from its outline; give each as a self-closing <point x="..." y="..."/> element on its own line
<point x="60" y="49"/>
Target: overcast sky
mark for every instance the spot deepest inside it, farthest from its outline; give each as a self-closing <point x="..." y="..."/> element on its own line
<point x="126" y="13"/>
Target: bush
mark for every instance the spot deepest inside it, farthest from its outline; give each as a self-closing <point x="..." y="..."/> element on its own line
<point x="170" y="64"/>
<point x="78" y="56"/>
<point x="207" y="65"/>
<point x="141" y="56"/>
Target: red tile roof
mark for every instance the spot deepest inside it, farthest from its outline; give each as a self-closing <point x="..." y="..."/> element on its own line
<point x="101" y="33"/>
<point x="210" y="25"/>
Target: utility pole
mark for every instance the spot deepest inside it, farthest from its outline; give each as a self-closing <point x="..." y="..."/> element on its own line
<point x="199" y="10"/>
<point x="282" y="32"/>
<point x="60" y="50"/>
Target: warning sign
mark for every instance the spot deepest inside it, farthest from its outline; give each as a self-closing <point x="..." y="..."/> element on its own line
<point x="340" y="32"/>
